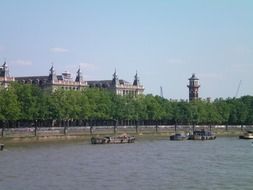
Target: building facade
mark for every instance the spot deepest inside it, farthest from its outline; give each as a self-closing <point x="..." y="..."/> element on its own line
<point x="52" y="82"/>
<point x="120" y="86"/>
<point x="193" y="88"/>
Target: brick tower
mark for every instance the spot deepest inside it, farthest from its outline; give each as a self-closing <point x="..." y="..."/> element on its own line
<point x="193" y="88"/>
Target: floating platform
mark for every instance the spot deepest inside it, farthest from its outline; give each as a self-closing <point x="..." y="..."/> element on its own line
<point x="178" y="137"/>
<point x="113" y="140"/>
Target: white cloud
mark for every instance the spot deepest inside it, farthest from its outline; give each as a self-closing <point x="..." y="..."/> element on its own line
<point x="21" y="62"/>
<point x="58" y="50"/>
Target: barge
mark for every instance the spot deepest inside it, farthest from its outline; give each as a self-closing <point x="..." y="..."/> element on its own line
<point x="113" y="140"/>
<point x="179" y="137"/>
<point x="202" y="135"/>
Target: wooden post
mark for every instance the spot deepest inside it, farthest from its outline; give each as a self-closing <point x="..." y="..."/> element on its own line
<point x="136" y="127"/>
<point x="210" y="127"/>
<point x="91" y="127"/>
<point x="156" y="127"/>
<point x="2" y="134"/>
<point x="115" y="127"/>
<point x="66" y="128"/>
<point x="35" y="129"/>
<point x="1" y="147"/>
<point x="241" y="127"/>
<point x="175" y="128"/>
<point x="2" y="126"/>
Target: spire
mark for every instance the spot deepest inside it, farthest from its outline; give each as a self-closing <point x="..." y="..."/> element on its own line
<point x="136" y="80"/>
<point x="5" y="64"/>
<point x="52" y="74"/>
<point x="51" y="70"/>
<point x="79" y="77"/>
<point x="115" y="74"/>
<point x="5" y="70"/>
<point x="115" y="80"/>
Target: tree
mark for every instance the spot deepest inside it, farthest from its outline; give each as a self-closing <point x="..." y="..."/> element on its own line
<point x="29" y="97"/>
<point x="154" y="109"/>
<point x="9" y="106"/>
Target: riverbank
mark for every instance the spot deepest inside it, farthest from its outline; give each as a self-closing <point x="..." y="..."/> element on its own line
<point x="28" y="135"/>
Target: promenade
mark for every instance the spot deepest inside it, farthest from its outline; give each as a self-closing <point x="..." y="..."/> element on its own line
<point x="52" y="133"/>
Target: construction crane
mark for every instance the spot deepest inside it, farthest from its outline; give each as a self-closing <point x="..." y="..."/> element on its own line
<point x="238" y="88"/>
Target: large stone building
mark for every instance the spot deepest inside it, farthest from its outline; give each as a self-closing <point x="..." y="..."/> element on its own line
<point x="65" y="81"/>
<point x="53" y="81"/>
<point x="119" y="86"/>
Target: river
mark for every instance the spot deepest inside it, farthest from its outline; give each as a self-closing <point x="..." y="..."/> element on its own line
<point x="157" y="164"/>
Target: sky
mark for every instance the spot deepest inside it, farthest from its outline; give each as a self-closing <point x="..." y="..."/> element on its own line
<point x="165" y="41"/>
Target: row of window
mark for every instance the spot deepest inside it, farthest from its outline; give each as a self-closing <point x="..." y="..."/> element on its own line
<point x="70" y="88"/>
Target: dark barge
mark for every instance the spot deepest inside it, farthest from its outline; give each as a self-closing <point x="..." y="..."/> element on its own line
<point x="202" y="135"/>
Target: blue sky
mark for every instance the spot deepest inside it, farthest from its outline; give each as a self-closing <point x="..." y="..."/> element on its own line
<point x="164" y="40"/>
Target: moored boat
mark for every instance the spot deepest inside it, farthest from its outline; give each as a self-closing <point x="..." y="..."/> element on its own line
<point x="247" y="135"/>
<point x="178" y="137"/>
<point x="113" y="140"/>
<point x="202" y="135"/>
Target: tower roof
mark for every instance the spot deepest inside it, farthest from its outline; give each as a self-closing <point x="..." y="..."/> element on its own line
<point x="193" y="77"/>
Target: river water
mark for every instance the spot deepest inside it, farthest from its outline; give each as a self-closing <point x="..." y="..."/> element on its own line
<point x="225" y="163"/>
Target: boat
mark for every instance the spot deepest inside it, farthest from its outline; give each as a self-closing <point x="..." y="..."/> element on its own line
<point x="1" y="147"/>
<point x="202" y="135"/>
<point x="247" y="135"/>
<point x="179" y="137"/>
<point x="113" y="140"/>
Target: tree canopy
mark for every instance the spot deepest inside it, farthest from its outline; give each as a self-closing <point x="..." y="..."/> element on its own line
<point x="28" y="102"/>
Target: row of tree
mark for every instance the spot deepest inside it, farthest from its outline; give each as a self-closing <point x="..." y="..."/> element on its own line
<point x="28" y="102"/>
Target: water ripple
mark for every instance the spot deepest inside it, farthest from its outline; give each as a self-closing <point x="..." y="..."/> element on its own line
<point x="225" y="163"/>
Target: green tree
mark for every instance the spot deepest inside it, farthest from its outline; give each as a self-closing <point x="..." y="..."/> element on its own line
<point x="9" y="106"/>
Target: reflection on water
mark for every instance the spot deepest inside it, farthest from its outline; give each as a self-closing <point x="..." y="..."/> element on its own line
<point x="225" y="163"/>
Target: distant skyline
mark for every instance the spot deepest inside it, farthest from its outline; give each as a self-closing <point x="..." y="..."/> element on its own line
<point x="164" y="40"/>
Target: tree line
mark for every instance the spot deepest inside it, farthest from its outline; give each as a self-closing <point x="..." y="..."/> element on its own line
<point x="26" y="102"/>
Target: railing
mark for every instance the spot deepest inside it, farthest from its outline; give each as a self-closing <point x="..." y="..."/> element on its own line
<point x="101" y="127"/>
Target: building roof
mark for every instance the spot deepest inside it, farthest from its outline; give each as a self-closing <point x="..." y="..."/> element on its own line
<point x="105" y="83"/>
<point x="31" y="78"/>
